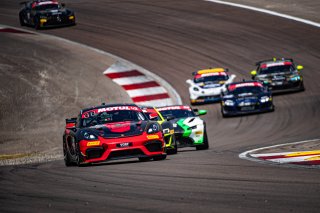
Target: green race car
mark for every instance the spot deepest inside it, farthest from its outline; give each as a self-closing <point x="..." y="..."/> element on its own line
<point x="189" y="129"/>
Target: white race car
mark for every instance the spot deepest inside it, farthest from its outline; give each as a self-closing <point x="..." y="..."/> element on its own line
<point x="208" y="84"/>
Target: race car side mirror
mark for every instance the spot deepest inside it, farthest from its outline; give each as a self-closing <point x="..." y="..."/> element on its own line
<point x="71" y="123"/>
<point x="300" y="67"/>
<point x="189" y="81"/>
<point x="153" y="116"/>
<point x="202" y="112"/>
<point x="253" y="74"/>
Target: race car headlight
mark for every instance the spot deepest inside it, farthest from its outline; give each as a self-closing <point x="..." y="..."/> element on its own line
<point x="229" y="103"/>
<point x="265" y="99"/>
<point x="153" y="128"/>
<point x="174" y="125"/>
<point x="196" y="89"/>
<point x="295" y="78"/>
<point x="89" y="136"/>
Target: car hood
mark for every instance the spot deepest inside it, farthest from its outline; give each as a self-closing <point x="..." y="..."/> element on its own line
<point x="54" y="12"/>
<point x="246" y="99"/>
<point x="119" y="129"/>
<point x="210" y="85"/>
<point x="274" y="76"/>
<point x="182" y="125"/>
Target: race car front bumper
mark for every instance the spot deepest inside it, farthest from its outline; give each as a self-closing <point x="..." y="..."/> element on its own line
<point x="237" y="110"/>
<point x="286" y="86"/>
<point x="122" y="148"/>
<point x="55" y="21"/>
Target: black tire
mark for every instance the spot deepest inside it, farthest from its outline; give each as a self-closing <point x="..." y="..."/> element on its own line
<point x="175" y="149"/>
<point x="160" y="157"/>
<point x="302" y="88"/>
<point x="205" y="144"/>
<point x="144" y="159"/>
<point x="36" y="23"/>
<point x="223" y="114"/>
<point x="21" y="20"/>
<point x="66" y="156"/>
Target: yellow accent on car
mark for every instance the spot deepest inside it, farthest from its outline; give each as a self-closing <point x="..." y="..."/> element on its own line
<point x="211" y="70"/>
<point x="199" y="132"/>
<point x="93" y="143"/>
<point x="71" y="17"/>
<point x="172" y="131"/>
<point x="152" y="136"/>
<point x="43" y="20"/>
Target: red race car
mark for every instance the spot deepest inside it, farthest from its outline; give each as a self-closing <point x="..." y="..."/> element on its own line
<point x="109" y="132"/>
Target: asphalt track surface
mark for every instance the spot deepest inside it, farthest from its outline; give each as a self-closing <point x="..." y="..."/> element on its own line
<point x="174" y="38"/>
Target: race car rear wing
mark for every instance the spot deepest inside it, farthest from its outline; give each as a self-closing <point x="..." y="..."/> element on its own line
<point x="210" y="70"/>
<point x="274" y="59"/>
<point x="71" y="123"/>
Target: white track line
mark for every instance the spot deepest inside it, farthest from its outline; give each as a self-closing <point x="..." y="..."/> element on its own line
<point x="305" y="21"/>
<point x="248" y="156"/>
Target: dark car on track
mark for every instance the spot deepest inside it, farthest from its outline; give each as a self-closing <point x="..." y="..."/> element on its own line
<point x="246" y="97"/>
<point x="281" y="75"/>
<point x="110" y="132"/>
<point x="42" y="14"/>
<point x="168" y="131"/>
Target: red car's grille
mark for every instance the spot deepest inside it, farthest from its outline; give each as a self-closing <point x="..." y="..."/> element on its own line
<point x="125" y="154"/>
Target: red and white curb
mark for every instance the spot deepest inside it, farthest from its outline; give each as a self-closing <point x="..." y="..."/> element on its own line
<point x="12" y="30"/>
<point x="309" y="158"/>
<point x="141" y="86"/>
<point x="300" y="158"/>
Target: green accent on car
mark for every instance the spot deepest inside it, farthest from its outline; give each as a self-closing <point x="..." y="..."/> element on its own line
<point x="202" y="112"/>
<point x="186" y="129"/>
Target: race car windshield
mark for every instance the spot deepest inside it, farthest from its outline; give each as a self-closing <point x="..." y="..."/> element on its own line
<point x="177" y="113"/>
<point x="47" y="7"/>
<point x="212" y="79"/>
<point x="277" y="69"/>
<point x="113" y="116"/>
<point x="247" y="90"/>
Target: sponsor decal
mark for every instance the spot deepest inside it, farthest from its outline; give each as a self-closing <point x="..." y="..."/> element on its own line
<point x="152" y="136"/>
<point x="93" y="112"/>
<point x="174" y="108"/>
<point x="93" y="143"/>
<point x="210" y="74"/>
<point x="263" y="66"/>
<point x="251" y="84"/>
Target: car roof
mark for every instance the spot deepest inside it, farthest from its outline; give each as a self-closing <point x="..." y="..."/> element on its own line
<point x="210" y="70"/>
<point x="274" y="60"/>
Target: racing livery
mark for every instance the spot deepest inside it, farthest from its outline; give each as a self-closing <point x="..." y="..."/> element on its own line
<point x="167" y="126"/>
<point x="281" y="75"/>
<point x="208" y="84"/>
<point x="110" y="132"/>
<point x="189" y="129"/>
<point x="40" y="14"/>
<point x="246" y="97"/>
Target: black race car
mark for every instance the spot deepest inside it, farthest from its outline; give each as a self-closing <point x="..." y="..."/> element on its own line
<point x="246" y="97"/>
<point x="280" y="75"/>
<point x="41" y="14"/>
